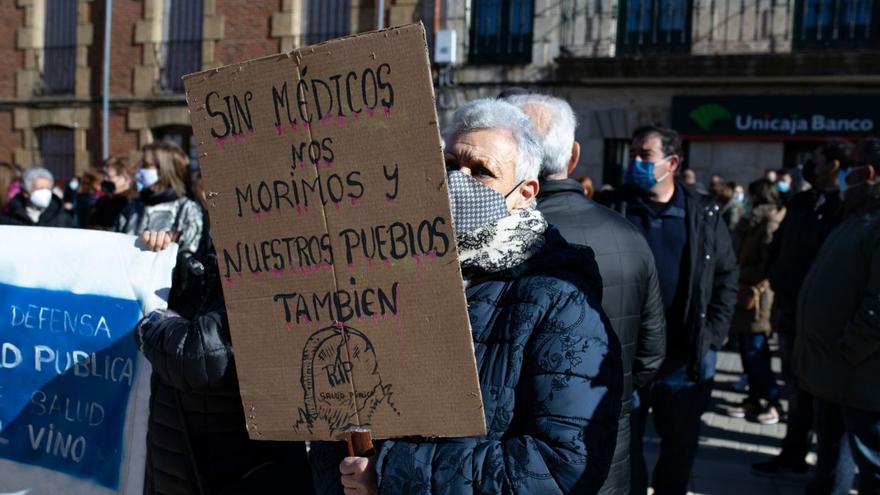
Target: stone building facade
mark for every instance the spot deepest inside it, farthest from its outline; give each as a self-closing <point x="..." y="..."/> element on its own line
<point x="51" y="91"/>
<point x="621" y="63"/>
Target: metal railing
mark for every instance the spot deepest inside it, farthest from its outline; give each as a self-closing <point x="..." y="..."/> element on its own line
<point x="608" y="28"/>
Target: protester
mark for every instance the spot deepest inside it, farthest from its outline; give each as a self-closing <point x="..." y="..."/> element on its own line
<point x="119" y="189"/>
<point x="8" y="178"/>
<point x="732" y="207"/>
<point x="88" y="192"/>
<point x="37" y="205"/>
<point x="197" y="441"/>
<point x="810" y="217"/>
<point x="751" y="319"/>
<point x="698" y="277"/>
<point x="837" y="352"/>
<point x="542" y="347"/>
<point x="630" y="291"/>
<point x="162" y="204"/>
<point x="587" y="184"/>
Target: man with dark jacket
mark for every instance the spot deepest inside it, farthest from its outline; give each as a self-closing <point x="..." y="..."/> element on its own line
<point x="631" y="294"/>
<point x="810" y="217"/>
<point x="837" y="350"/>
<point x="37" y="205"/>
<point x="698" y="276"/>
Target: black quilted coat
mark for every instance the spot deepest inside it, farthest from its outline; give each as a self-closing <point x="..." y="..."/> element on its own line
<point x="197" y="442"/>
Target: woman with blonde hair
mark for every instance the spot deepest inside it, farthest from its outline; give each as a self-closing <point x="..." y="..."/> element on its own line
<point x="162" y="204"/>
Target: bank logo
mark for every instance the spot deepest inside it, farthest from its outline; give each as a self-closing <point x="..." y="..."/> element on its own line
<point x="707" y="114"/>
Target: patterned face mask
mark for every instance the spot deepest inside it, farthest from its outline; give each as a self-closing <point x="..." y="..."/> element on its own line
<point x="473" y="204"/>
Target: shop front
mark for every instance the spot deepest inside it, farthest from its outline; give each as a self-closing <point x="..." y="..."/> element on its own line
<point x="738" y="137"/>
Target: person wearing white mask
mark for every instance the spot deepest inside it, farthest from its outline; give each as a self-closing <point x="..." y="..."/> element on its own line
<point x="162" y="204"/>
<point x="37" y="205"/>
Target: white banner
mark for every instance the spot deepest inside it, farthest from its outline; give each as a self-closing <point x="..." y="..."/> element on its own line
<point x="74" y="390"/>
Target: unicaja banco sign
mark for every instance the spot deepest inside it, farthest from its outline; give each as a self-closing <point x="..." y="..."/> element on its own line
<point x="780" y="116"/>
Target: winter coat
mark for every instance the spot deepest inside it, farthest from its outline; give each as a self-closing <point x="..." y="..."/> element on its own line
<point x="53" y="216"/>
<point x="630" y="295"/>
<point x="197" y="442"/>
<point x="810" y="217"/>
<point x="551" y="380"/>
<point x="107" y="210"/>
<point x="550" y="376"/>
<point x="164" y="211"/>
<point x="837" y="348"/>
<point x="754" y="235"/>
<point x="709" y="274"/>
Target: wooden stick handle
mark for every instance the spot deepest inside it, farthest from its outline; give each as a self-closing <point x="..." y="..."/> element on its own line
<point x="360" y="442"/>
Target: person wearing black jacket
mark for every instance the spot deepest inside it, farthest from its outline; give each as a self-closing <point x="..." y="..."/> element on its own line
<point x="811" y="217"/>
<point x="36" y="205"/>
<point x="197" y="442"/>
<point x="698" y="275"/>
<point x="631" y="294"/>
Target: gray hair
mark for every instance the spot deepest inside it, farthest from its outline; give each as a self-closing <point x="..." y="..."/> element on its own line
<point x="30" y="175"/>
<point x="558" y="138"/>
<point x="489" y="113"/>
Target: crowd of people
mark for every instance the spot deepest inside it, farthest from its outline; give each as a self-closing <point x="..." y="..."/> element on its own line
<point x="589" y="310"/>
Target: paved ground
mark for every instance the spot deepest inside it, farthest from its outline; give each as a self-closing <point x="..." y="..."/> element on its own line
<point x="729" y="446"/>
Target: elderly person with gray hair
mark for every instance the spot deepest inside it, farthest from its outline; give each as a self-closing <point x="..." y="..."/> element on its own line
<point x="631" y="292"/>
<point x="37" y="205"/>
<point x="549" y="366"/>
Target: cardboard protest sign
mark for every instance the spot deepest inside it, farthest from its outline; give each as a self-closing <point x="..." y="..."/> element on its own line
<point x="328" y="203"/>
<point x="74" y="390"/>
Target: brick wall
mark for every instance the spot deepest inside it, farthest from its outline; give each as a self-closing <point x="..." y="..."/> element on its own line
<point x="124" y="54"/>
<point x="247" y="30"/>
<point x="11" y="18"/>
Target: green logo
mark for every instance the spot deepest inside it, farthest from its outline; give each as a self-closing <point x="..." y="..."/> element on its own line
<point x="707" y="114"/>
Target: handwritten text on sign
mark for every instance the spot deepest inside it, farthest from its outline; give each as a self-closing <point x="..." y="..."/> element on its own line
<point x="331" y="220"/>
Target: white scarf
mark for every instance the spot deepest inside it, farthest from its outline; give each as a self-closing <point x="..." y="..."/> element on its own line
<point x="503" y="244"/>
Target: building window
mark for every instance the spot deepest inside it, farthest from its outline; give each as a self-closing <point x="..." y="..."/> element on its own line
<point x="181" y="135"/>
<point x="181" y="49"/>
<point x="323" y="20"/>
<point x="56" y="151"/>
<point x="58" y="61"/>
<point x="654" y="26"/>
<point x="501" y="32"/>
<point x="836" y="24"/>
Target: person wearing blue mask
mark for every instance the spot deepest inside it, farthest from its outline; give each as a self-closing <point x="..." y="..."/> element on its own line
<point x="783" y="184"/>
<point x="698" y="276"/>
<point x="810" y="218"/>
<point x="837" y="351"/>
